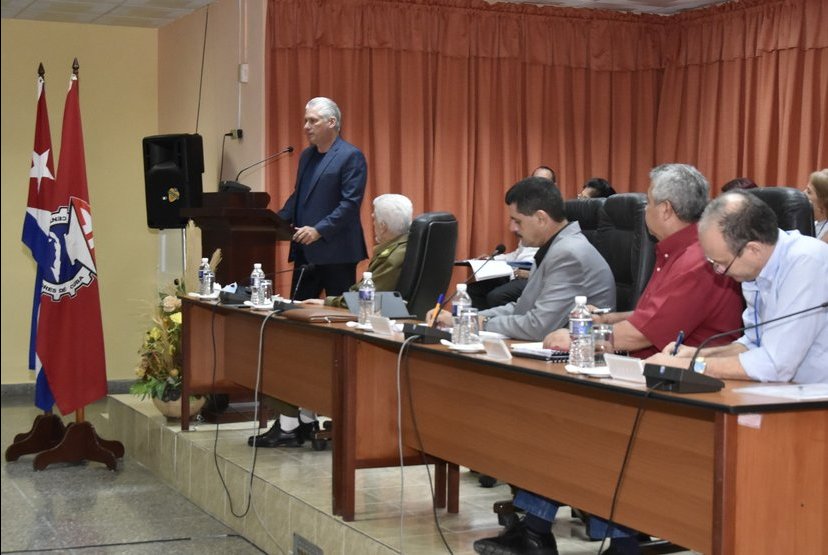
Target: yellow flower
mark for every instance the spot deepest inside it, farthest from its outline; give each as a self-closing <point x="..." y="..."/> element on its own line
<point x="176" y="316"/>
<point x="155" y="333"/>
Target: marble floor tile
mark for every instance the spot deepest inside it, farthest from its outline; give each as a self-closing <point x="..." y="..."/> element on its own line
<point x="168" y="496"/>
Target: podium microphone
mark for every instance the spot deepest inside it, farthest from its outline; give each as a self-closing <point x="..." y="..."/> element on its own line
<point x="230" y="186"/>
<point x="685" y="380"/>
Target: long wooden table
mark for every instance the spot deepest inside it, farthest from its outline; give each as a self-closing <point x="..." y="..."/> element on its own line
<point x="718" y="473"/>
<point x="313" y="366"/>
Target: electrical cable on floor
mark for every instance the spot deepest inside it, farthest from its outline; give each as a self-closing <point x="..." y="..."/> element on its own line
<point x="249" y="494"/>
<point x="630" y="443"/>
<point x="404" y="346"/>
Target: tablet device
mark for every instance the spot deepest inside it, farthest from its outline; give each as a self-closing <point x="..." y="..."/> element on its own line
<point x="390" y="304"/>
<point x="535" y="350"/>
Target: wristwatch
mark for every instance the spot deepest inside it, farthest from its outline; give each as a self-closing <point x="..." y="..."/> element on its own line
<point x="700" y="365"/>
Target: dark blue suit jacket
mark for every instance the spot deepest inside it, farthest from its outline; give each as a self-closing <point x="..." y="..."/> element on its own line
<point x="331" y="204"/>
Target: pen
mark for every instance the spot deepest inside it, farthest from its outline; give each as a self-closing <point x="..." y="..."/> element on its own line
<point x="679" y="341"/>
<point x="437" y="310"/>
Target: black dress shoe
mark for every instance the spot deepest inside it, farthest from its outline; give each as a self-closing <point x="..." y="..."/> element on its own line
<point x="518" y="540"/>
<point x="277" y="437"/>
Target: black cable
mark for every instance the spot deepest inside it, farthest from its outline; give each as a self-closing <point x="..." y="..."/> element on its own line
<point x="401" y="359"/>
<point x="201" y="76"/>
<point x="221" y="165"/>
<point x="630" y="442"/>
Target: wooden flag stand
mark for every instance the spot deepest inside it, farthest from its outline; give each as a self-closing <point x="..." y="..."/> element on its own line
<point x="53" y="442"/>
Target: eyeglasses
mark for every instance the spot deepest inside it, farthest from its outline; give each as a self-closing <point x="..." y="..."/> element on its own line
<point x="722" y="270"/>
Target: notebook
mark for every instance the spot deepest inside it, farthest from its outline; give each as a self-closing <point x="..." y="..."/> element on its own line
<point x="629" y="369"/>
<point x="389" y="303"/>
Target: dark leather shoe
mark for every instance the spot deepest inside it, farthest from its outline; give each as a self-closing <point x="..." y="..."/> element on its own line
<point x="518" y="540"/>
<point x="277" y="437"/>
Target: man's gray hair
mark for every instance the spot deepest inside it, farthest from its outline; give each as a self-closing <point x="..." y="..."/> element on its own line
<point x="327" y="109"/>
<point x="683" y="186"/>
<point x="395" y="211"/>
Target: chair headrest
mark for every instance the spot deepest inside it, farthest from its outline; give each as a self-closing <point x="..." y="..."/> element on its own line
<point x="584" y="211"/>
<point x="792" y="208"/>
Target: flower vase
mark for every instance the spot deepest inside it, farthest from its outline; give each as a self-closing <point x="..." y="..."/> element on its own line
<point x="172" y="409"/>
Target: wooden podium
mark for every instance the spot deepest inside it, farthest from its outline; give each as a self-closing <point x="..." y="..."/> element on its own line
<point x="246" y="231"/>
<point x="243" y="227"/>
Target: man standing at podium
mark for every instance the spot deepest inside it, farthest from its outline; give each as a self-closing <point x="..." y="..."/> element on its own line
<point x="324" y="206"/>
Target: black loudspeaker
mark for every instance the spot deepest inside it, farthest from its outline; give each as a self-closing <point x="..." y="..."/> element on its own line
<point x="173" y="165"/>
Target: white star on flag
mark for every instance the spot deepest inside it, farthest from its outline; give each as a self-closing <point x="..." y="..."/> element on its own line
<point x="40" y="169"/>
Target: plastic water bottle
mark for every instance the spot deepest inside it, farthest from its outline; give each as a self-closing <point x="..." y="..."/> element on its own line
<point x="203" y="287"/>
<point x="461" y="300"/>
<point x="256" y="277"/>
<point x="581" y="341"/>
<point x="205" y="265"/>
<point x="208" y="278"/>
<point x="367" y="292"/>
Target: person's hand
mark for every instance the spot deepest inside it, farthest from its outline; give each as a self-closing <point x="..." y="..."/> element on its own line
<point x="306" y="235"/>
<point x="443" y="319"/>
<point x="661" y="359"/>
<point x="520" y="273"/>
<point x="558" y="340"/>
<point x="683" y="352"/>
<point x="313" y="301"/>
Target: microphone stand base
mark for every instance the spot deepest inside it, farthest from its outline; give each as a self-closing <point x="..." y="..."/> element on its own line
<point x="426" y="334"/>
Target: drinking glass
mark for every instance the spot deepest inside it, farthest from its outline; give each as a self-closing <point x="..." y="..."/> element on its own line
<point x="469" y="328"/>
<point x="265" y="292"/>
<point x="602" y="333"/>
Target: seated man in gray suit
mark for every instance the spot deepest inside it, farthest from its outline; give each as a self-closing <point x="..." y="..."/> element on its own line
<point x="566" y="265"/>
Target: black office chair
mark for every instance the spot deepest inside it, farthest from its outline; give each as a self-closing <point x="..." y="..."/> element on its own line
<point x="429" y="260"/>
<point x="586" y="212"/>
<point x="791" y="206"/>
<point x="624" y="242"/>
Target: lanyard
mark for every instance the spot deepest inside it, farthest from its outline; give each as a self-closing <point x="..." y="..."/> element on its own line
<point x="756" y="318"/>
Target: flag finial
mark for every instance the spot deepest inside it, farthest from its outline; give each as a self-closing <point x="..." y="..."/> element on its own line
<point x="40" y="71"/>
<point x="75" y="66"/>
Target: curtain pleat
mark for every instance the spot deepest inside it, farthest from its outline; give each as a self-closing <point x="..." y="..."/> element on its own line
<point x="452" y="101"/>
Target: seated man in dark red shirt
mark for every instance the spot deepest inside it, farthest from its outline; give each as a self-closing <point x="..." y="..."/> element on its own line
<point x="683" y="294"/>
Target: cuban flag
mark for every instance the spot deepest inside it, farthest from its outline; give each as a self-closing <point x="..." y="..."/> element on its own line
<point x="58" y="230"/>
<point x="41" y="175"/>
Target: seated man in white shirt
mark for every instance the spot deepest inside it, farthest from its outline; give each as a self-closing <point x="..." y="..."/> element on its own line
<point x="500" y="291"/>
<point x="781" y="273"/>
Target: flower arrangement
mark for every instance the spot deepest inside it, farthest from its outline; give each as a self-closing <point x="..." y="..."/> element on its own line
<point x="160" y="363"/>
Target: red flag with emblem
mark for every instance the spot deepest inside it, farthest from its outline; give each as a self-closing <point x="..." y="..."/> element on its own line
<point x="69" y="334"/>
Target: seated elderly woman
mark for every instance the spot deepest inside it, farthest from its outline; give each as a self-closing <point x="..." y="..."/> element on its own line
<point x="817" y="192"/>
<point x="392" y="219"/>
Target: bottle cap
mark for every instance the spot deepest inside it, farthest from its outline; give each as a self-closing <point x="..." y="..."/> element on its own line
<point x="366" y="275"/>
<point x="204" y="260"/>
<point x="257" y="266"/>
<point x="580" y="299"/>
<point x="461" y="287"/>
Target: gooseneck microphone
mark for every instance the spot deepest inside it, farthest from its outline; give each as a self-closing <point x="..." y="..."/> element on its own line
<point x="686" y="380"/>
<point x="500" y="249"/>
<point x="431" y="334"/>
<point x="285" y="150"/>
<point x="302" y="269"/>
<point x="750" y="327"/>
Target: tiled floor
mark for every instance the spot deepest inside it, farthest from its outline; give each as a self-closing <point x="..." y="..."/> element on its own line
<point x="170" y="495"/>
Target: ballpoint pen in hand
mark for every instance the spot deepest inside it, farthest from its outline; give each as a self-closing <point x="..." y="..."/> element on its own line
<point x="437" y="310"/>
<point x="679" y="341"/>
